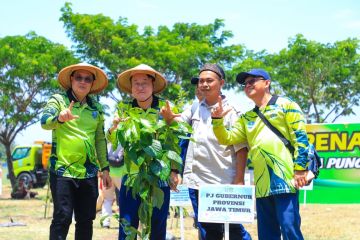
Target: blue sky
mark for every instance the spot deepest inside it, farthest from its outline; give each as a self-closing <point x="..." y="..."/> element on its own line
<point x="258" y="24"/>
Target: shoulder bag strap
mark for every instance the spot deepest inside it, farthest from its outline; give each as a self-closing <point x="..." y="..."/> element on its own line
<point x="272" y="128"/>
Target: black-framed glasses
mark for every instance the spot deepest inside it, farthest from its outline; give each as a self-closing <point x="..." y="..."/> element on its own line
<point x="252" y="81"/>
<point x="86" y="79"/>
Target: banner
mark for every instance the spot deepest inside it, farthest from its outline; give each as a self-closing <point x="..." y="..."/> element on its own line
<point x="339" y="148"/>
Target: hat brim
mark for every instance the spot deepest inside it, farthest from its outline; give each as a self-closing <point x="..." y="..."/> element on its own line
<point x="124" y="83"/>
<point x="99" y="84"/>
<point x="240" y="78"/>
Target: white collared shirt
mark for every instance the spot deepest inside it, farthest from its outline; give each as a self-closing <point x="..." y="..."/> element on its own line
<point x="208" y="162"/>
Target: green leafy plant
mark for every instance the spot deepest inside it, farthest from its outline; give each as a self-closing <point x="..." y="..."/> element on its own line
<point x="151" y="150"/>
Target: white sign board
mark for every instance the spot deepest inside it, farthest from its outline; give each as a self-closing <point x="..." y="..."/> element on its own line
<point x="180" y="198"/>
<point x="226" y="203"/>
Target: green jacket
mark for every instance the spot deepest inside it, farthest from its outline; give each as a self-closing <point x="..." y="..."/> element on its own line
<point x="111" y="137"/>
<point x="79" y="145"/>
<point x="272" y="162"/>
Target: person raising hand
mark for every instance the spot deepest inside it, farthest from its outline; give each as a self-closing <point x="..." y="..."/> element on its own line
<point x="66" y="114"/>
<point x="219" y="112"/>
<point x="78" y="149"/>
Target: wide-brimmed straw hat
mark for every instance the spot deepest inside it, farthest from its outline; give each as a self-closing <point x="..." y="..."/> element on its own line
<point x="124" y="83"/>
<point x="99" y="84"/>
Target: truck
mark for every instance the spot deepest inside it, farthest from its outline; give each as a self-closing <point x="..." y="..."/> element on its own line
<point x="30" y="163"/>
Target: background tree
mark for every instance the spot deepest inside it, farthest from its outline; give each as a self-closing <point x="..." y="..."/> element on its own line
<point x="2" y="152"/>
<point x="28" y="68"/>
<point x="178" y="52"/>
<point x="324" y="79"/>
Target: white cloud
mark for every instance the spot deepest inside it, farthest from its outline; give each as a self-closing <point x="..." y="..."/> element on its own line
<point x="348" y="19"/>
<point x="147" y="6"/>
<point x="355" y="24"/>
<point x="344" y="14"/>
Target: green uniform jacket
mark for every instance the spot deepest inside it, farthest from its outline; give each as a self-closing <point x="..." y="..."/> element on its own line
<point x="111" y="137"/>
<point x="79" y="145"/>
<point x="272" y="162"/>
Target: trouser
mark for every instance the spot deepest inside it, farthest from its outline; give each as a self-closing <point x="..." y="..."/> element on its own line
<point x="215" y="231"/>
<point x="279" y="215"/>
<point x="109" y="197"/>
<point x="70" y="196"/>
<point x="129" y="210"/>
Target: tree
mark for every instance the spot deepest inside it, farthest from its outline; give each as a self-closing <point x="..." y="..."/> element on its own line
<point x="323" y="78"/>
<point x="28" y="68"/>
<point x="177" y="52"/>
<point x="2" y="152"/>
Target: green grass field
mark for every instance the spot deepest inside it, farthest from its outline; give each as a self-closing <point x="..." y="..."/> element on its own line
<point x="319" y="221"/>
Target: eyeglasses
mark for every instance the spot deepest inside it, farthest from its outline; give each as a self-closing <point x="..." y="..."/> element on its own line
<point x="252" y="81"/>
<point x="87" y="79"/>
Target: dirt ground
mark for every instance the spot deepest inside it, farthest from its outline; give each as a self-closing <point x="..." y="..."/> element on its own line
<point x="319" y="221"/>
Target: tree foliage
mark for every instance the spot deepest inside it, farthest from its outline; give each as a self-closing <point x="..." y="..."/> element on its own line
<point x="323" y="78"/>
<point x="178" y="52"/>
<point x="28" y="67"/>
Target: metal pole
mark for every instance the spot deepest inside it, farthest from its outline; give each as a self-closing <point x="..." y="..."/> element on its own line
<point x="226" y="231"/>
<point x="182" y="230"/>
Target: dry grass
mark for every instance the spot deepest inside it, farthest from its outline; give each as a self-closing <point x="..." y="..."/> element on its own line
<point x="320" y="222"/>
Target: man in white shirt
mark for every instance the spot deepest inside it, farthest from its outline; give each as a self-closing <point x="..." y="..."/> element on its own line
<point x="208" y="162"/>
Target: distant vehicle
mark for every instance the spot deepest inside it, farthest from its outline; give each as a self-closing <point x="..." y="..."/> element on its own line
<point x="30" y="163"/>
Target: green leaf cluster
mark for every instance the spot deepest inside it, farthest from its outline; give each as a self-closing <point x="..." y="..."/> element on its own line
<point x="152" y="146"/>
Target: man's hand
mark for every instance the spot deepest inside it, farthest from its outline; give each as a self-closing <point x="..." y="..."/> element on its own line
<point x="219" y="112"/>
<point x="66" y="115"/>
<point x="106" y="179"/>
<point x="300" y="178"/>
<point x="167" y="113"/>
<point x="116" y="122"/>
<point x="174" y="181"/>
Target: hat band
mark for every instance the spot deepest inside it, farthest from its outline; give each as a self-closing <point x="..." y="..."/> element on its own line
<point x="218" y="74"/>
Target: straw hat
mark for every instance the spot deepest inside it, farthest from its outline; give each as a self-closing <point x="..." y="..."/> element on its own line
<point x="124" y="83"/>
<point x="99" y="83"/>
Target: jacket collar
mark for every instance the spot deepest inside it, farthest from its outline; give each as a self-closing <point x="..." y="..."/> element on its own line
<point x="154" y="104"/>
<point x="71" y="97"/>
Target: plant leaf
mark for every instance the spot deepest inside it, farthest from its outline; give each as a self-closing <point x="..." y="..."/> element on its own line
<point x="165" y="170"/>
<point x="155" y="168"/>
<point x="157" y="197"/>
<point x="173" y="156"/>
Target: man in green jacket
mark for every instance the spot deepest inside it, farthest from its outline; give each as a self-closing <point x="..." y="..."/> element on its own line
<point x="142" y="82"/>
<point x="278" y="172"/>
<point x="78" y="149"/>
